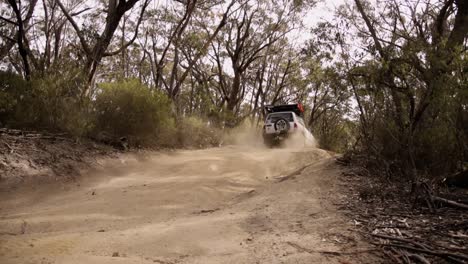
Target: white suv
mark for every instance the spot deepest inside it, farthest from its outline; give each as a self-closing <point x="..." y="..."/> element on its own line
<point x="283" y="122"/>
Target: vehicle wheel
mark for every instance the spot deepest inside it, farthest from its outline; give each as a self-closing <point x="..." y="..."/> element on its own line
<point x="281" y="125"/>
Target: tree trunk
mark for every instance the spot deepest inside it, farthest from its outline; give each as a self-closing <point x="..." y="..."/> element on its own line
<point x="234" y="94"/>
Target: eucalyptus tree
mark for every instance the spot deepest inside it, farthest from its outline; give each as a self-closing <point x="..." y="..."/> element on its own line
<point x="246" y="39"/>
<point x="16" y="25"/>
<point x="96" y="47"/>
<point x="404" y="60"/>
<point x="175" y="41"/>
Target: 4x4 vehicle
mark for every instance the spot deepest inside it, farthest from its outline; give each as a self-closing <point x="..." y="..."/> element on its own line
<point x="283" y="122"/>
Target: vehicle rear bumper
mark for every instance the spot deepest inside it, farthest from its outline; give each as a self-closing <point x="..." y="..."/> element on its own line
<point x="276" y="137"/>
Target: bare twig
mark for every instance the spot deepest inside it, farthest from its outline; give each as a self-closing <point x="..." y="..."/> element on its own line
<point x="75" y="26"/>
<point x="393" y="254"/>
<point x="420" y="258"/>
<point x="405" y="256"/>
<point x="9" y="147"/>
<point x="8" y="20"/>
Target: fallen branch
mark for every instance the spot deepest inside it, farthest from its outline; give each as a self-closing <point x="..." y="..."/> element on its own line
<point x="450" y="202"/>
<point x="454" y="260"/>
<point x="9" y="147"/>
<point x="419" y="258"/>
<point x="294" y="173"/>
<point x="404" y="256"/>
<point x="430" y="252"/>
<point x="423" y="246"/>
<point x="460" y="236"/>
<point x="326" y="252"/>
<point x="394" y="255"/>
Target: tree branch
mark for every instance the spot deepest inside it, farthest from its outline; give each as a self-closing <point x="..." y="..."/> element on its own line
<point x="460" y="28"/>
<point x="83" y="42"/>
<point x="370" y="27"/>
<point x="8" y="20"/>
<point x="205" y="46"/>
<point x="440" y="21"/>
<point x="126" y="45"/>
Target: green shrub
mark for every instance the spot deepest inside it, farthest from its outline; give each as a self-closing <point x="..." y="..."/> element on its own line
<point x="48" y="103"/>
<point x="57" y="104"/>
<point x="125" y="108"/>
<point x="335" y="136"/>
<point x="12" y="90"/>
<point x="130" y="109"/>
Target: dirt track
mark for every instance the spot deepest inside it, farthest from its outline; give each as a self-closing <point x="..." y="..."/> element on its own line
<point x="222" y="205"/>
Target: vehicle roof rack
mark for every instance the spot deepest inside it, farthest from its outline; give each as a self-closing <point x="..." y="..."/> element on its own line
<point x="298" y="109"/>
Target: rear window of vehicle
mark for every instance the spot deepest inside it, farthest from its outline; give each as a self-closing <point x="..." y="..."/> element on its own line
<point x="275" y="116"/>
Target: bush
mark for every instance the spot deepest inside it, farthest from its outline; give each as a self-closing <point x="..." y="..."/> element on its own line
<point x="12" y="90"/>
<point x="48" y="103"/>
<point x="130" y="109"/>
<point x="336" y="136"/>
<point x="126" y="108"/>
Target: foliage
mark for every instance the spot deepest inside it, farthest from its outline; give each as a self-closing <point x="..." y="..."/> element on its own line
<point x="334" y="133"/>
<point x="125" y="108"/>
<point x="128" y="108"/>
<point x="407" y="84"/>
<point x="12" y="90"/>
<point x="44" y="103"/>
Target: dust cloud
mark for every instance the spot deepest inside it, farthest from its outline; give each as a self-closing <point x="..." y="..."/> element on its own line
<point x="250" y="134"/>
<point x="298" y="141"/>
<point x="144" y="203"/>
<point x="246" y="144"/>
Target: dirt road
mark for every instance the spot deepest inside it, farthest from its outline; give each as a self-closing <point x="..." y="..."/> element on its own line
<point x="222" y="205"/>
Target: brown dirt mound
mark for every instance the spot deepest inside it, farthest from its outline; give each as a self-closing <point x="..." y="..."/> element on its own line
<point x="27" y="156"/>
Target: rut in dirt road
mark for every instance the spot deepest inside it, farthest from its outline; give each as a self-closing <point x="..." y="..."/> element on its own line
<point x="222" y="205"/>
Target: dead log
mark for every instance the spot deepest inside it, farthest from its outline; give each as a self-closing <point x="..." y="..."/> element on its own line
<point x="449" y="202"/>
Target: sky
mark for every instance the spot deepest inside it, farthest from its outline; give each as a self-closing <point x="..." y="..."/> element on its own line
<point x="323" y="11"/>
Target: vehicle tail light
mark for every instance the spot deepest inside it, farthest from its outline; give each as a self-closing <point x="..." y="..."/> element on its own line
<point x="295" y="125"/>
<point x="301" y="107"/>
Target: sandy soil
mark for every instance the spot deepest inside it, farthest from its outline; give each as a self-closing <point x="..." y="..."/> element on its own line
<point x="31" y="158"/>
<point x="222" y="205"/>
